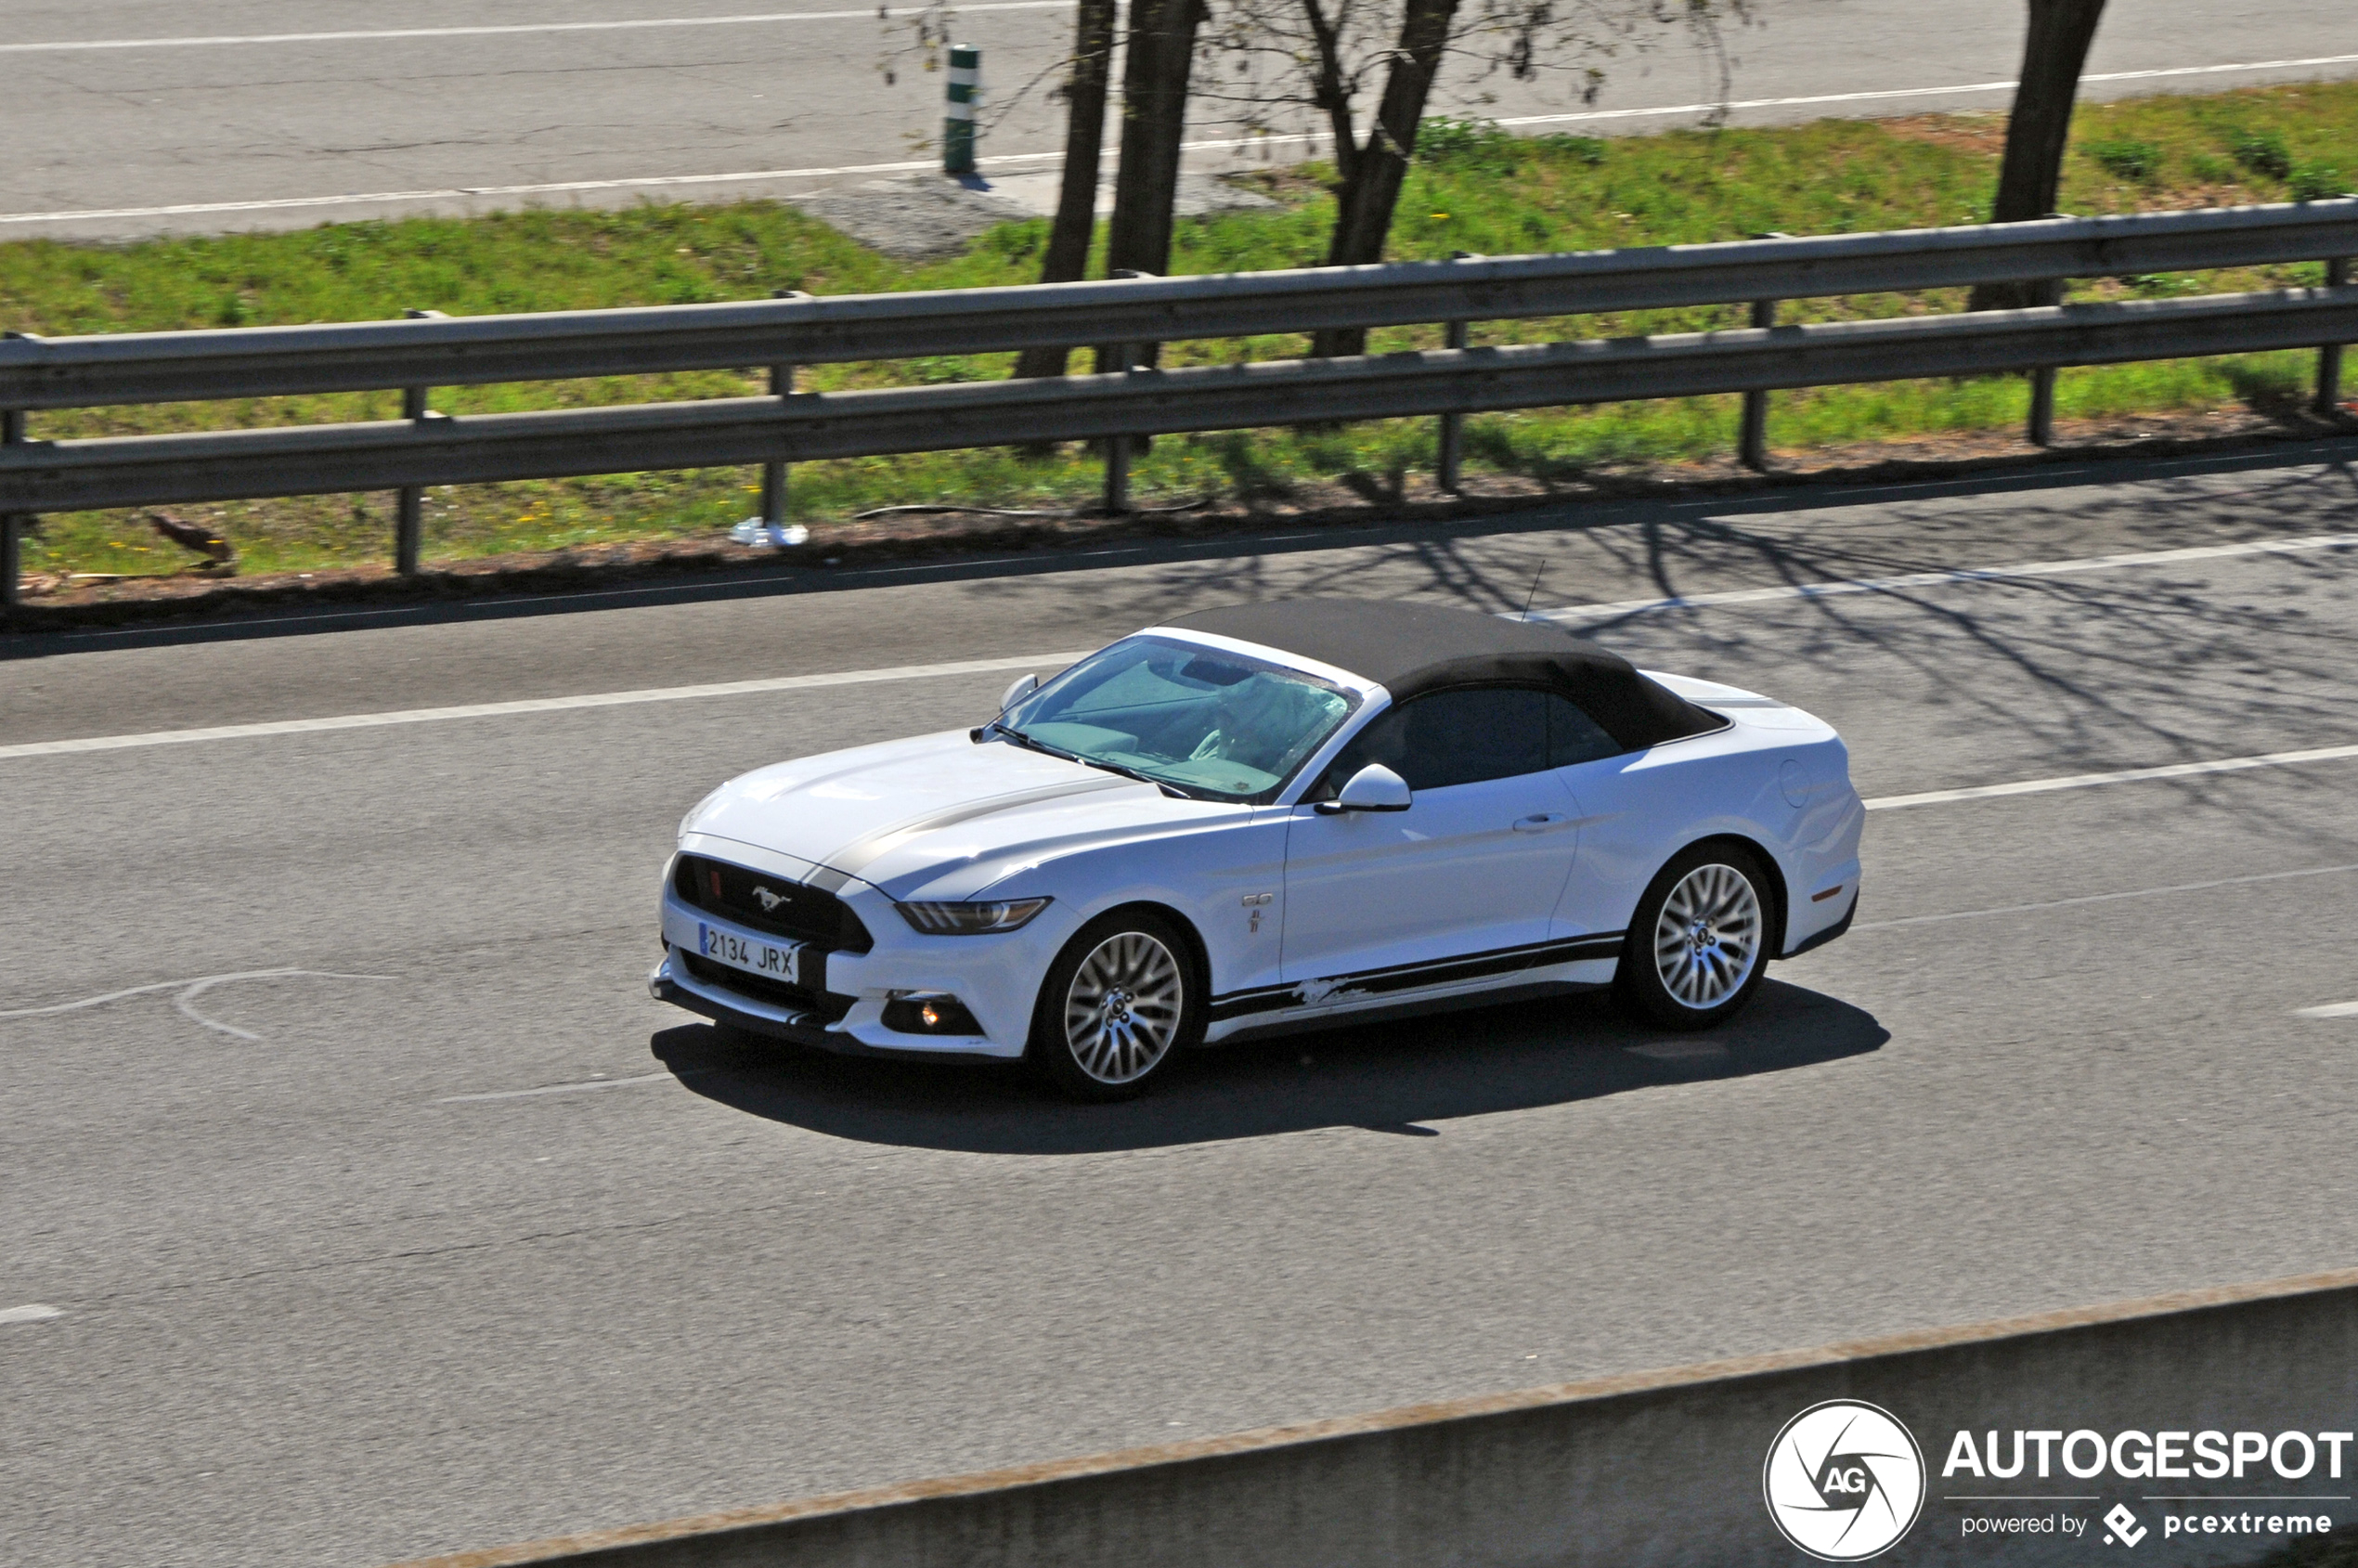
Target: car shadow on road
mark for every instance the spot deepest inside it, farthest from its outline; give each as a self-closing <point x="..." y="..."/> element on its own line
<point x="1399" y="1078"/>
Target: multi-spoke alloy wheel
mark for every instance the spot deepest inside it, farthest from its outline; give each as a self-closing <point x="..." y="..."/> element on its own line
<point x="1707" y="937"/>
<point x="1698" y="944"/>
<point x="1121" y="1011"/>
<point x="1117" y="1003"/>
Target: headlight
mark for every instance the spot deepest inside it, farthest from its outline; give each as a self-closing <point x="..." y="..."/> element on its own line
<point x="971" y="919"/>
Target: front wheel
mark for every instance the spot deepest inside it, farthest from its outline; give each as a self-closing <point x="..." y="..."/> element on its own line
<point x="1697" y="947"/>
<point x="1117" y="1004"/>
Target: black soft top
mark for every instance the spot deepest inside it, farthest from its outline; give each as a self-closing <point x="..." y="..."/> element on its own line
<point x="1411" y="649"/>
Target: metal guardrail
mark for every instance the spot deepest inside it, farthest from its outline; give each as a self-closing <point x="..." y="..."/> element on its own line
<point x="217" y="465"/>
<point x="39" y="374"/>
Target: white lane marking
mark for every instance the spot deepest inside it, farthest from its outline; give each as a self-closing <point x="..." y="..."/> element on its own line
<point x="1057" y="660"/>
<point x="557" y="188"/>
<point x="188" y="990"/>
<point x="32" y="1313"/>
<point x="1309" y="139"/>
<point x="2331" y="1010"/>
<point x="561" y="1089"/>
<point x="536" y="705"/>
<point x="2026" y="570"/>
<point x="2108" y="898"/>
<point x="2153" y="75"/>
<point x="636" y="24"/>
<point x="2127" y="775"/>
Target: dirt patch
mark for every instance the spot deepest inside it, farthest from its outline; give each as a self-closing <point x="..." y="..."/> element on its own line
<point x="914" y="535"/>
<point x="923" y="218"/>
<point x="1965" y="133"/>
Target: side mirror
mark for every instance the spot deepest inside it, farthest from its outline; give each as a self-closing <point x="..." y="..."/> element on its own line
<point x="1024" y="685"/>
<point x="1372" y="788"/>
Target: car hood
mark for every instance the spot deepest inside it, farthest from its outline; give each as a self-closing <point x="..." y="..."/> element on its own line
<point x="938" y="816"/>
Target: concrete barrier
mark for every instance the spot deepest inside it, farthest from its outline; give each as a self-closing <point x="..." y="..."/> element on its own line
<point x="1664" y="1467"/>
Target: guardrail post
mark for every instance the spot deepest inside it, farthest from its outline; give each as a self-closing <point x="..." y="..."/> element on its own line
<point x="1751" y="437"/>
<point x="2041" y="424"/>
<point x="409" y="527"/>
<point x="1752" y="440"/>
<point x="12" y="524"/>
<point x="1122" y="357"/>
<point x="1453" y="426"/>
<point x="1118" y="451"/>
<point x="2328" y="405"/>
<point x="771" y="526"/>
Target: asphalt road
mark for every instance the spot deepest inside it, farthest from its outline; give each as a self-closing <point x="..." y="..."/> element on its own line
<point x="126" y="117"/>
<point x="454" y="1237"/>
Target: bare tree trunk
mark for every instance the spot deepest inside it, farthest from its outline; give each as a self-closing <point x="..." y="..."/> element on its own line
<point x="1076" y="220"/>
<point x="1329" y="90"/>
<point x="1371" y="179"/>
<point x="2053" y="54"/>
<point x="1154" y="118"/>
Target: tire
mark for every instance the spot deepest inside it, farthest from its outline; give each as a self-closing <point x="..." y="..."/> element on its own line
<point x="1119" y="1002"/>
<point x="1699" y="943"/>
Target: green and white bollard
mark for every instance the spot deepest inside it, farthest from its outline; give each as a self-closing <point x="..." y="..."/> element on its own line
<point x="958" y="114"/>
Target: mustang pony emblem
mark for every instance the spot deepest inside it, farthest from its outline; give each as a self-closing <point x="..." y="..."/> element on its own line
<point x="768" y="900"/>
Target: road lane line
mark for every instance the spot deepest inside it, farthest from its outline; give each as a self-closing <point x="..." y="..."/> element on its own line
<point x="2332" y="1010"/>
<point x="873" y="13"/>
<point x="558" y="188"/>
<point x="2153" y="75"/>
<point x="32" y="1313"/>
<point x="1045" y="158"/>
<point x="535" y="705"/>
<point x="2126" y="776"/>
<point x="561" y="1089"/>
<point x="189" y="992"/>
<point x="2108" y="898"/>
<point x="2027" y="570"/>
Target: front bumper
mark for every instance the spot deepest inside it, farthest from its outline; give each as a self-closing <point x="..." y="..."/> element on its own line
<point x="801" y="1028"/>
<point x="844" y="1006"/>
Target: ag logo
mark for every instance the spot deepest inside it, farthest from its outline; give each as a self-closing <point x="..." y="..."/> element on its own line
<point x="1844" y="1481"/>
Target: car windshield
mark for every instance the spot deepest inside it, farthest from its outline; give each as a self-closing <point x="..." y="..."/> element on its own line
<point x="1209" y="722"/>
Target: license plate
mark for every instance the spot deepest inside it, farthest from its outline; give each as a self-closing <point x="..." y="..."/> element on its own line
<point x="739" y="952"/>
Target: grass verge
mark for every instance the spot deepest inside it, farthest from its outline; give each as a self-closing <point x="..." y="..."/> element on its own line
<point x="1476" y="189"/>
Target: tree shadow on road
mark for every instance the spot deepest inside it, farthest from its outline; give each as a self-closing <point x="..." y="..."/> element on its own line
<point x="1393" y="1078"/>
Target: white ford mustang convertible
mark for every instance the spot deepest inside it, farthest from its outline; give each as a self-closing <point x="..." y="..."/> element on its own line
<point x="1261" y="819"/>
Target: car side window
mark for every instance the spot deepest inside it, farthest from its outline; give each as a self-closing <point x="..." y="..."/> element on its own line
<point x="1573" y="736"/>
<point x="1451" y="738"/>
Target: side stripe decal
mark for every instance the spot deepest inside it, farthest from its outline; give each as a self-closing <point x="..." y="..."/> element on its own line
<point x="1410" y="976"/>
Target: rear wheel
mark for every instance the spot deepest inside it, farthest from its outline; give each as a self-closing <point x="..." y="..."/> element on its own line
<point x="1118" y="1003"/>
<point x="1698" y="945"/>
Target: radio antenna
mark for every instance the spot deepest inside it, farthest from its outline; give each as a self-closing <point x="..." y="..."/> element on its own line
<point x="1534" y="594"/>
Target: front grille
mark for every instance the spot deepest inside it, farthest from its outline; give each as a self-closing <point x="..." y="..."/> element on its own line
<point x="790" y="909"/>
<point x="777" y="993"/>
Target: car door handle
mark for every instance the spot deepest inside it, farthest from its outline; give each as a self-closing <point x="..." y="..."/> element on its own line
<point x="1541" y="822"/>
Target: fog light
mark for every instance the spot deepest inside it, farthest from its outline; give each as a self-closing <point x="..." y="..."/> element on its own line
<point x="928" y="1012"/>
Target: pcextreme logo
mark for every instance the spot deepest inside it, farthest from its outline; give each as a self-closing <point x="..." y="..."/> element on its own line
<point x="1844" y="1481"/>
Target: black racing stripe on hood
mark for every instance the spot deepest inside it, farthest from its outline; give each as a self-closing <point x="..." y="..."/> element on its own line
<point x="847" y="863"/>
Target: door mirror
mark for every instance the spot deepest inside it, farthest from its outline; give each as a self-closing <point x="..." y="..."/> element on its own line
<point x="1024" y="685"/>
<point x="1372" y="788"/>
